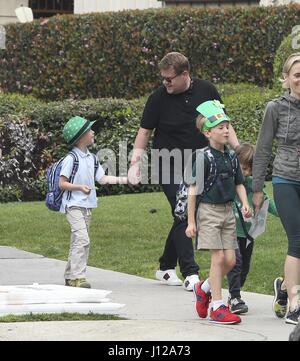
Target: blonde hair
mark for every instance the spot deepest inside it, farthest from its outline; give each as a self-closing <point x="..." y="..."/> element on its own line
<point x="245" y="153"/>
<point x="176" y="60"/>
<point x="200" y="120"/>
<point x="290" y="61"/>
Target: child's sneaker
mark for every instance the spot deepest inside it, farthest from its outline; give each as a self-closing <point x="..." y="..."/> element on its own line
<point x="237" y="305"/>
<point x="190" y="282"/>
<point x="202" y="300"/>
<point x="78" y="282"/>
<point x="293" y="317"/>
<point x="280" y="299"/>
<point x="224" y="316"/>
<point x="169" y="277"/>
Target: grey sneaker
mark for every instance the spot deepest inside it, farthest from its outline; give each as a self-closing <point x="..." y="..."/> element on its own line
<point x="237" y="305"/>
<point x="293" y="317"/>
<point x="78" y="282"/>
<point x="280" y="299"/>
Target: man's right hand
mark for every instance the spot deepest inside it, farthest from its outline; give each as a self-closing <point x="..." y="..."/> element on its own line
<point x="134" y="174"/>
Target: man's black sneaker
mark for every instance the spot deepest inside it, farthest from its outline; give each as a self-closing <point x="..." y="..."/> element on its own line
<point x="293" y="317"/>
<point x="280" y="299"/>
<point x="237" y="305"/>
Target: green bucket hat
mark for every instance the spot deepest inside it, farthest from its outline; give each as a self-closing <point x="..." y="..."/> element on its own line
<point x="75" y="128"/>
<point x="213" y="111"/>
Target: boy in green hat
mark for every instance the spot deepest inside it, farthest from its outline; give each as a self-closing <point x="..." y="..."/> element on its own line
<point x="216" y="229"/>
<point x="80" y="197"/>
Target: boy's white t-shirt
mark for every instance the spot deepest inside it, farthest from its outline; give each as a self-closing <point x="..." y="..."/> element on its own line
<point x="85" y="175"/>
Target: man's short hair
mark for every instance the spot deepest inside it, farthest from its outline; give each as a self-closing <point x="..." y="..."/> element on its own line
<point x="176" y="60"/>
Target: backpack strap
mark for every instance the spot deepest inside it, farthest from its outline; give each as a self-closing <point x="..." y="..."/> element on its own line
<point x="96" y="164"/>
<point x="234" y="162"/>
<point x="74" y="170"/>
<point x="212" y="175"/>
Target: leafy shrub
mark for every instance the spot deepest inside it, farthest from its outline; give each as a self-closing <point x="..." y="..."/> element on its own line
<point x="15" y="103"/>
<point x="246" y="110"/>
<point x="116" y="54"/>
<point x="283" y="52"/>
<point x="226" y="89"/>
<point x="10" y="193"/>
<point x="30" y="140"/>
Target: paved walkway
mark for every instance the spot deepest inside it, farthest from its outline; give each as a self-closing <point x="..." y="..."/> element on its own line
<point x="153" y="312"/>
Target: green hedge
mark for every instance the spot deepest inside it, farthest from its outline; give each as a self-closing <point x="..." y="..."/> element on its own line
<point x="116" y="54"/>
<point x="30" y="137"/>
<point x="30" y="140"/>
<point x="283" y="52"/>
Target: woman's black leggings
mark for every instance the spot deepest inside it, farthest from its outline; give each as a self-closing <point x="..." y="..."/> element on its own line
<point x="287" y="200"/>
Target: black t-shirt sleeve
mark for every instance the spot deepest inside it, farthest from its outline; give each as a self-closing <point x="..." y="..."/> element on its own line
<point x="150" y="115"/>
<point x="239" y="178"/>
<point x="214" y="93"/>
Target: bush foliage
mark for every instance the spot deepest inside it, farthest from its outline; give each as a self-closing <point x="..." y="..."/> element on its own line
<point x="116" y="54"/>
<point x="30" y="135"/>
<point x="283" y="52"/>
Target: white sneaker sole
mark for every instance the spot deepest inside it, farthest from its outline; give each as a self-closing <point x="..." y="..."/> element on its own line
<point x="224" y="323"/>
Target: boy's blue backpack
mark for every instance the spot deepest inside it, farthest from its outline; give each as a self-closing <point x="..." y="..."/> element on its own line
<point x="54" y="193"/>
<point x="180" y="210"/>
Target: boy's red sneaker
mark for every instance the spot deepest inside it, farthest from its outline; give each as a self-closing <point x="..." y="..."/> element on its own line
<point x="202" y="300"/>
<point x="224" y="316"/>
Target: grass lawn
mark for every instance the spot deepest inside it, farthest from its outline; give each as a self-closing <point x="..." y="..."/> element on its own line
<point x="126" y="237"/>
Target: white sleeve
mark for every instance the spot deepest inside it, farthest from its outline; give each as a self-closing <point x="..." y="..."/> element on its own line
<point x="67" y="166"/>
<point x="100" y="173"/>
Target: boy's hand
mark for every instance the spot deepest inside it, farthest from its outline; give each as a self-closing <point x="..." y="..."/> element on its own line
<point x="85" y="189"/>
<point x="134" y="174"/>
<point x="246" y="210"/>
<point x="191" y="230"/>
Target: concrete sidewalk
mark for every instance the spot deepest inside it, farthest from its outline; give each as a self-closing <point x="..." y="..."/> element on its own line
<point x="153" y="312"/>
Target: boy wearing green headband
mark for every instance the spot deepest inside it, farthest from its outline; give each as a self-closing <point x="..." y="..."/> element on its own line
<point x="80" y="197"/>
<point x="216" y="229"/>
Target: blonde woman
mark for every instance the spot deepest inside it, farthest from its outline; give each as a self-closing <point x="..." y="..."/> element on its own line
<point x="282" y="122"/>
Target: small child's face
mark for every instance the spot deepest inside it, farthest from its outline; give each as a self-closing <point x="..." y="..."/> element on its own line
<point x="246" y="170"/>
<point x="219" y="134"/>
<point x="88" y="138"/>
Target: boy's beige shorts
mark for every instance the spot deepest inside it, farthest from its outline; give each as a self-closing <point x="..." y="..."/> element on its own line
<point x="216" y="226"/>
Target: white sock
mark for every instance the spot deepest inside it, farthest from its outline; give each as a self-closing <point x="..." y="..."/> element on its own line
<point x="205" y="286"/>
<point x="217" y="304"/>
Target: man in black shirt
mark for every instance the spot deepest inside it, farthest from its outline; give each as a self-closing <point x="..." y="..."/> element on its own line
<point x="171" y="111"/>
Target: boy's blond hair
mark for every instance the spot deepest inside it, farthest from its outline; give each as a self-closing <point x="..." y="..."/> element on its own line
<point x="245" y="153"/>
<point x="200" y="120"/>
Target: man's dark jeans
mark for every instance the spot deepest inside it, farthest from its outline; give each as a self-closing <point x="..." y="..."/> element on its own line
<point x="178" y="246"/>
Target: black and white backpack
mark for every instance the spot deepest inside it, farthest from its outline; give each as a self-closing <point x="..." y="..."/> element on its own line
<point x="180" y="210"/>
